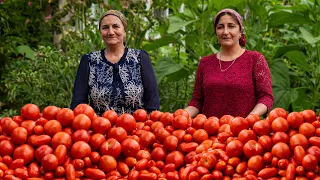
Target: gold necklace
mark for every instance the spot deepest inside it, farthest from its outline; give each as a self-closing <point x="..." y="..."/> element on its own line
<point x="222" y="70"/>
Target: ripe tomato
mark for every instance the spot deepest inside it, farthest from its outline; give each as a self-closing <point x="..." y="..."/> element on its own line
<point x="100" y="125"/>
<point x="234" y="148"/>
<point x="96" y="140"/>
<point x="52" y="127"/>
<point x="281" y="150"/>
<point x="280" y="125"/>
<point x="147" y="139"/>
<point x="179" y="134"/>
<point x="65" y="116"/>
<point x="41" y="151"/>
<point x="266" y="142"/>
<point x="314" y="150"/>
<point x="127" y="122"/>
<point x="38" y="129"/>
<point x="107" y="163"/>
<point x="130" y="147"/>
<point x="140" y="115"/>
<point x="252" y="148"/>
<point x="237" y="124"/>
<point x="110" y="147"/>
<point x="24" y="152"/>
<point x="111" y="115"/>
<point x="50" y="112"/>
<point x="225" y="119"/>
<point x="94" y="157"/>
<point x="295" y="119"/>
<point x="170" y="143"/>
<point x="277" y="112"/>
<point x="30" y="112"/>
<point x="81" y="121"/>
<point x="175" y="157"/>
<point x="280" y="137"/>
<point x="307" y="129"/>
<point x="252" y="118"/>
<point x="8" y="126"/>
<point x="61" y="138"/>
<point x="198" y="122"/>
<point x="211" y="125"/>
<point x="200" y="135"/>
<point x="84" y="109"/>
<point x="61" y="152"/>
<point x="246" y="135"/>
<point x="308" y="115"/>
<point x="155" y="115"/>
<point x="117" y="133"/>
<point x="158" y="154"/>
<point x="262" y="127"/>
<point x="80" y="150"/>
<point x="17" y="119"/>
<point x="299" y="140"/>
<point x="49" y="162"/>
<point x="81" y="135"/>
<point x="181" y="112"/>
<point x="162" y="134"/>
<point x="180" y="122"/>
<point x="19" y="135"/>
<point x="309" y="162"/>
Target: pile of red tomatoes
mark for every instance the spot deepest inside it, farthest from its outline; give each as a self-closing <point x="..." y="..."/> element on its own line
<point x="60" y="143"/>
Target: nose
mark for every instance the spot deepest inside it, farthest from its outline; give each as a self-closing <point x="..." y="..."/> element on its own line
<point x="225" y="30"/>
<point x="111" y="31"/>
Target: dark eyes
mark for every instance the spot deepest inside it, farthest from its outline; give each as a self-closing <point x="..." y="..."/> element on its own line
<point x="115" y="26"/>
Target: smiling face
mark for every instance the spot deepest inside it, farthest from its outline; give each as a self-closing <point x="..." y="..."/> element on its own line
<point x="228" y="31"/>
<point x="112" y="31"/>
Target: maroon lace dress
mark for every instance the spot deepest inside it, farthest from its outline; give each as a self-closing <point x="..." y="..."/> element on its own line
<point x="235" y="91"/>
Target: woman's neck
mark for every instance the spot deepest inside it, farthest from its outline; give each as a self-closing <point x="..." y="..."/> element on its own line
<point x="115" y="50"/>
<point x="229" y="54"/>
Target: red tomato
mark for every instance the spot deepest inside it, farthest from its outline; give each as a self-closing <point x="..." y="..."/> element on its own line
<point x="295" y="119"/>
<point x="24" y="152"/>
<point x="155" y="115"/>
<point x="50" y="112"/>
<point x="52" y="127"/>
<point x="80" y="150"/>
<point x="158" y="154"/>
<point x="60" y="152"/>
<point x="111" y="115"/>
<point x="208" y="160"/>
<point x="8" y="126"/>
<point x="127" y="122"/>
<point x="281" y="150"/>
<point x="268" y="173"/>
<point x="81" y="121"/>
<point x="277" y="112"/>
<point x="211" y="125"/>
<point x="180" y="122"/>
<point x="49" y="162"/>
<point x="130" y="147"/>
<point x="33" y="170"/>
<point x="81" y="135"/>
<point x="198" y="122"/>
<point x="117" y="133"/>
<point x="256" y="163"/>
<point x="94" y="157"/>
<point x="179" y="134"/>
<point x="30" y="112"/>
<point x="307" y="129"/>
<point x="234" y="148"/>
<point x="246" y="135"/>
<point x="225" y="119"/>
<point x="262" y="127"/>
<point x="252" y="119"/>
<point x="65" y="116"/>
<point x="237" y="124"/>
<point x="61" y="138"/>
<point x="143" y="154"/>
<point x="280" y="137"/>
<point x="41" y="151"/>
<point x="200" y="135"/>
<point x="299" y="140"/>
<point x="107" y="163"/>
<point x="38" y="129"/>
<point x="100" y="125"/>
<point x="252" y="148"/>
<point x="95" y="141"/>
<point x="162" y="134"/>
<point x="181" y="112"/>
<point x="308" y="115"/>
<point x="94" y="173"/>
<point x="241" y="167"/>
<point x="309" y="162"/>
<point x="267" y="157"/>
<point x="315" y="151"/>
<point x="140" y="115"/>
<point x="84" y="109"/>
<point x="147" y="139"/>
<point x="266" y="142"/>
<point x="17" y="119"/>
<point x="280" y="125"/>
<point x="175" y="157"/>
<point x="170" y="143"/>
<point x="19" y="135"/>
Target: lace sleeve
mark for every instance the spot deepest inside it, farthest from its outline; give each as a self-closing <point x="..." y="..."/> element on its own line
<point x="263" y="82"/>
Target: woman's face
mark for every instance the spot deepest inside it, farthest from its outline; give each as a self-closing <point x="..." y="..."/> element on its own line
<point x="112" y="31"/>
<point x="228" y="31"/>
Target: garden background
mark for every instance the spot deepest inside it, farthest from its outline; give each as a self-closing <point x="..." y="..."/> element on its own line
<point x="41" y="43"/>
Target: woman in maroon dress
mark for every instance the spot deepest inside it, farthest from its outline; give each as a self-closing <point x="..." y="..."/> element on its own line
<point x="234" y="81"/>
